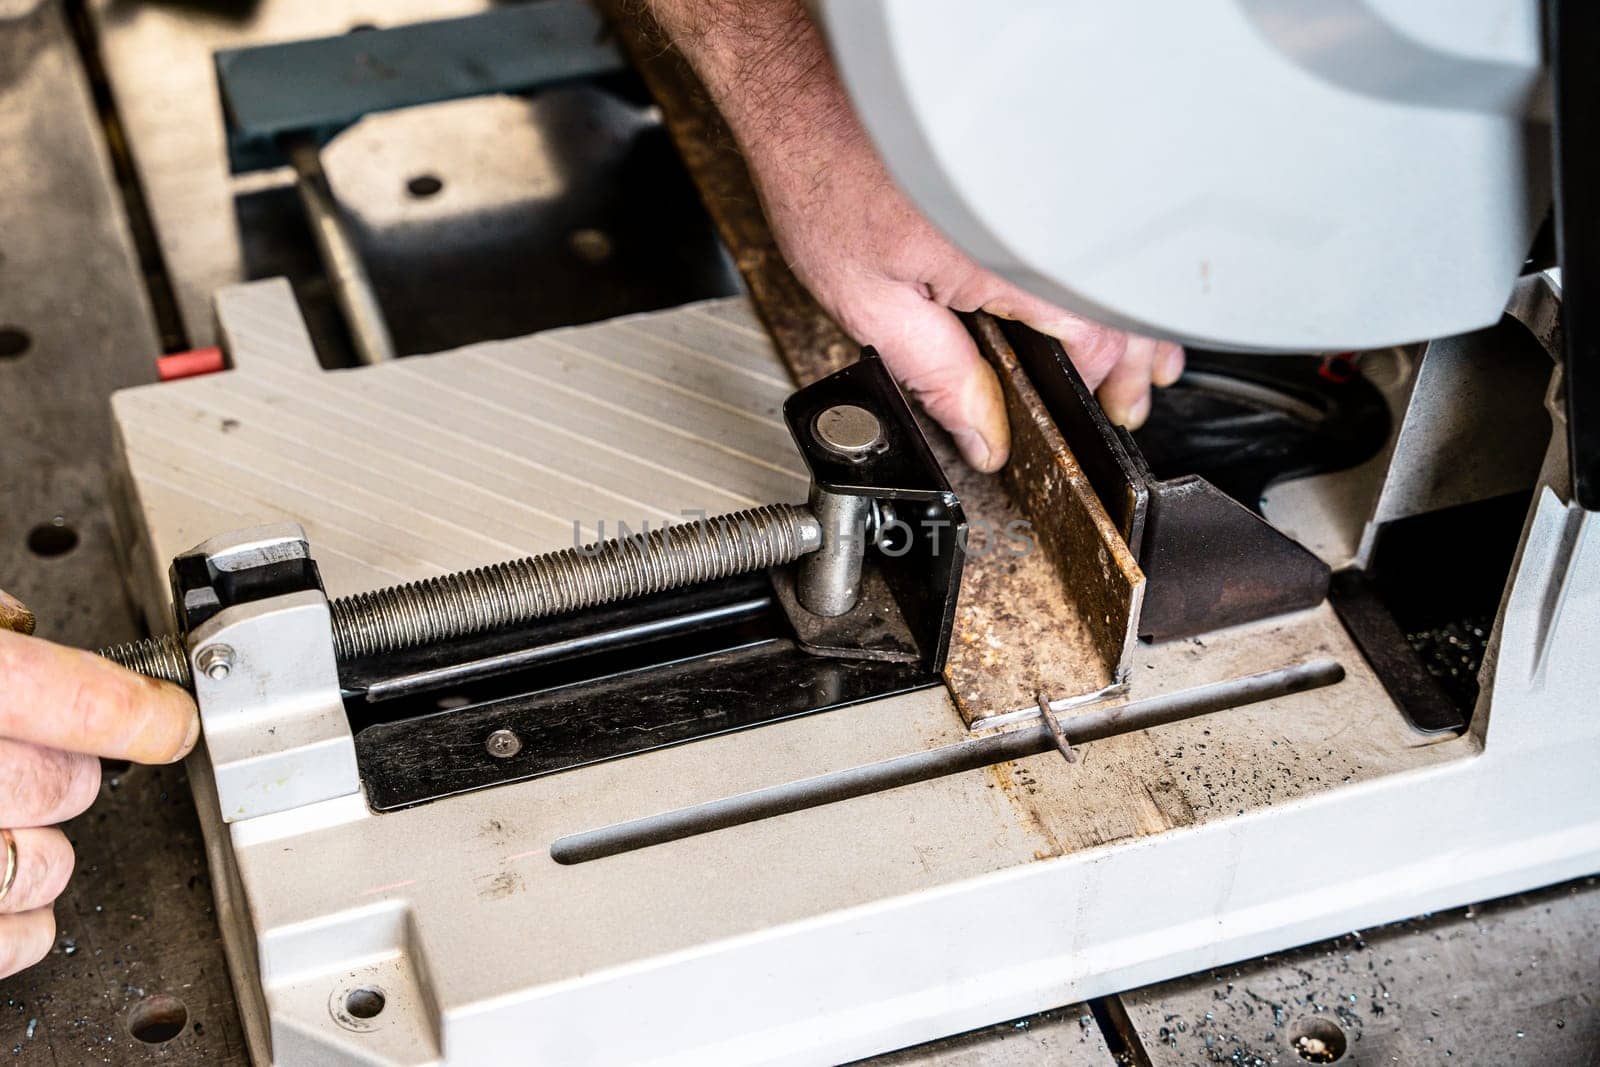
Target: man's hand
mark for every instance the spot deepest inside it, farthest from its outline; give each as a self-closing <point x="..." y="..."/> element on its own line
<point x="59" y="709"/>
<point x="863" y="249"/>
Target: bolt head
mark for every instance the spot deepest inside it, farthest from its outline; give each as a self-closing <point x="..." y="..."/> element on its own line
<point x="215" y="661"/>
<point x="849" y="431"/>
<point x="503" y="744"/>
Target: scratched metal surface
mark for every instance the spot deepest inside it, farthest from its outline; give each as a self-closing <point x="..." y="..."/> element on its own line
<point x="1511" y="981"/>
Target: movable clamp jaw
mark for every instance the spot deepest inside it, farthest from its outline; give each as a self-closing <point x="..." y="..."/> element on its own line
<point x="261" y="655"/>
<point x="881" y="497"/>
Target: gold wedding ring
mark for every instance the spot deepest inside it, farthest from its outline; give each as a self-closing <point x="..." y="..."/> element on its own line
<point x="11" y="864"/>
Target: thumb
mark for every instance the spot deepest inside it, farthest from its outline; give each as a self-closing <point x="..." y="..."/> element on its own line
<point x="928" y="349"/>
<point x="71" y="700"/>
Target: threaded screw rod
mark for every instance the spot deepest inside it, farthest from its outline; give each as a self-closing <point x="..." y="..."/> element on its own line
<point x="508" y="594"/>
<point x="519" y="591"/>
<point x="159" y="657"/>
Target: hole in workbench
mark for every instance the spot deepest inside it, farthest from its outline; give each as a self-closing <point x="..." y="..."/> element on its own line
<point x="1317" y="1040"/>
<point x="362" y="27"/>
<point x="425" y="185"/>
<point x="365" y="1003"/>
<point x="53" y="538"/>
<point x="157" y="1019"/>
<point x="14" y="342"/>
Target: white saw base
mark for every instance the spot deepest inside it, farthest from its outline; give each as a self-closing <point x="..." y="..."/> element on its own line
<point x="840" y="931"/>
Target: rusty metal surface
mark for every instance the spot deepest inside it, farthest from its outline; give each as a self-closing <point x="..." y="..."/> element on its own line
<point x="1101" y="449"/>
<point x="1015" y="632"/>
<point x="1096" y="569"/>
<point x="136" y="922"/>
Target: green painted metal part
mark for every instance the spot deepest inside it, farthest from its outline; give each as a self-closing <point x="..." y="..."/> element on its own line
<point x="315" y="88"/>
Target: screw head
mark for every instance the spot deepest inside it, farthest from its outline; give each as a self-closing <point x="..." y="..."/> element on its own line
<point x="503" y="744"/>
<point x="849" y="431"/>
<point x="215" y="661"/>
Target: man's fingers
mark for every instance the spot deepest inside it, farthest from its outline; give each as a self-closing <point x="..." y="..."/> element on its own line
<point x="44" y="863"/>
<point x="43" y="786"/>
<point x="64" y="698"/>
<point x="1169" y="363"/>
<point x="25" y="939"/>
<point x="1125" y="394"/>
<point x="1095" y="349"/>
<point x="932" y="355"/>
<point x="1099" y="352"/>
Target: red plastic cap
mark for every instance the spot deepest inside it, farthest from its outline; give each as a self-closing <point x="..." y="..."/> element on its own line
<point x="189" y="364"/>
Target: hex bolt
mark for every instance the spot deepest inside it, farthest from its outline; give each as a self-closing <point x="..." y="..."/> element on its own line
<point x="848" y="431"/>
<point x="503" y="744"/>
<point x="215" y="661"/>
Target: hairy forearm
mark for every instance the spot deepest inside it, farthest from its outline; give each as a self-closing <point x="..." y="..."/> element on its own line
<point x="767" y="68"/>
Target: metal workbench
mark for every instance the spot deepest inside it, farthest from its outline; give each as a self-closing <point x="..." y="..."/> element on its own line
<point x="118" y="219"/>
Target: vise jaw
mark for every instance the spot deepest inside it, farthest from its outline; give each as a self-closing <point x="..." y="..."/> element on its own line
<point x="261" y="653"/>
